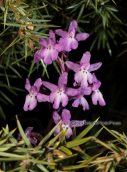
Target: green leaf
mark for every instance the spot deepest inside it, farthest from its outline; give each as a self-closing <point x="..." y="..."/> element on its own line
<point x="77" y="142"/>
<point x="11" y="159"/>
<point x="14" y="70"/>
<point x="56" y="67"/>
<point x="31" y="68"/>
<point x="37" y="8"/>
<point x="40" y="166"/>
<point x="114" y="16"/>
<point x="90" y="159"/>
<point x="53" y="140"/>
<point x="73" y="167"/>
<point x="2" y="114"/>
<point x="81" y="11"/>
<point x="45" y="67"/>
<point x="5" y="12"/>
<point x="3" y="141"/>
<point x="62" y="159"/>
<point x="26" y="140"/>
<point x="16" y="169"/>
<point x="6" y="97"/>
<point x="65" y="150"/>
<point x="41" y="162"/>
<point x="48" y="135"/>
<point x="12" y="43"/>
<point x="21" y="25"/>
<point x="7" y="78"/>
<point x="6" y="154"/>
<point x="5" y="30"/>
<point x="86" y="130"/>
<point x="26" y="42"/>
<point x="96" y="3"/>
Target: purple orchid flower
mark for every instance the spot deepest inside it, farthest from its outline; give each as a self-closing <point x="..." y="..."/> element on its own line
<point x="60" y="93"/>
<point x="50" y="49"/>
<point x="97" y="95"/>
<point x="80" y="100"/>
<point x="34" y="95"/>
<point x="83" y="69"/>
<point x="37" y="55"/>
<point x="66" y="123"/>
<point x="69" y="39"/>
<point x="30" y="135"/>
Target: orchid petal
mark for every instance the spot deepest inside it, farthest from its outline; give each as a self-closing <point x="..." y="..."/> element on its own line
<point x="30" y="103"/>
<point x="66" y="115"/>
<point x="81" y="101"/>
<point x="42" y="97"/>
<point x="85" y="58"/>
<point x="94" y="77"/>
<point x="43" y="42"/>
<point x="58" y="47"/>
<point x="96" y="85"/>
<point x="95" y="66"/>
<point x="57" y="130"/>
<point x="63" y="79"/>
<point x="73" y="25"/>
<point x="33" y="90"/>
<point x="38" y="84"/>
<point x="74" y="43"/>
<point x="27" y="85"/>
<point x="101" y="99"/>
<point x="56" y="117"/>
<point x="73" y="66"/>
<point x="76" y="103"/>
<point x="71" y="91"/>
<point x="84" y="103"/>
<point x="50" y="42"/>
<point x="81" y="77"/>
<point x="86" y="91"/>
<point x="81" y="36"/>
<point x="57" y="100"/>
<point x="62" y="33"/>
<point x="43" y="53"/>
<point x="52" y="35"/>
<point x="64" y="100"/>
<point x="50" y="86"/>
<point x="69" y="132"/>
<point x="37" y="56"/>
<point x="97" y="96"/>
<point x="90" y="77"/>
<point x="66" y="43"/>
<point x="54" y="54"/>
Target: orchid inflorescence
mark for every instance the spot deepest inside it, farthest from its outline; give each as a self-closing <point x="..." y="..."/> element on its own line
<point x="85" y="81"/>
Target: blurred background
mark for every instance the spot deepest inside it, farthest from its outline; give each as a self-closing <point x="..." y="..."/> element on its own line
<point x="104" y="20"/>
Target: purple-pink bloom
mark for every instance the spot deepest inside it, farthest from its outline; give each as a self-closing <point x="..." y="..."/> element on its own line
<point x="97" y="95"/>
<point x="83" y="69"/>
<point x="59" y="94"/>
<point x="37" y="55"/>
<point x="66" y="122"/>
<point x="69" y="40"/>
<point x="30" y="135"/>
<point x="50" y="49"/>
<point x="80" y="100"/>
<point x="34" y="95"/>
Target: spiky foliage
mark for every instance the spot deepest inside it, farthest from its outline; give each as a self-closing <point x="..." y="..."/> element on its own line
<point x="23" y="22"/>
<point x="58" y="154"/>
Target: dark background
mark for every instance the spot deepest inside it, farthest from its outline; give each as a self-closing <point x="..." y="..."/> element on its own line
<point x="112" y="74"/>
